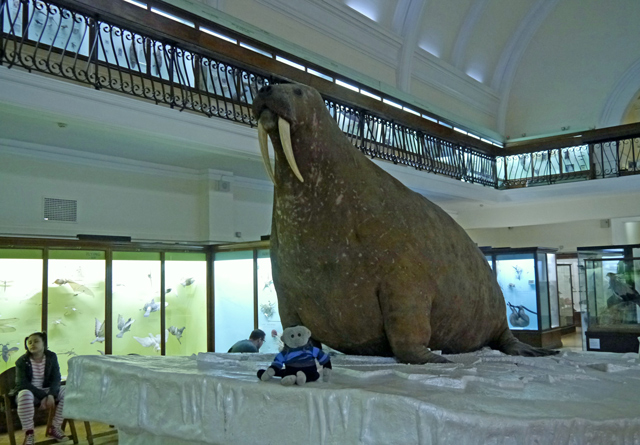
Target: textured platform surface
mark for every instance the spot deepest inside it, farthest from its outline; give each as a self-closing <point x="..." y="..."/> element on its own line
<point x="481" y="398"/>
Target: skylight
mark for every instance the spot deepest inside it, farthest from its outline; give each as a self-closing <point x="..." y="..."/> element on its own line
<point x="256" y="50"/>
<point x="393" y="104"/>
<point x="366" y="93"/>
<point x="319" y="74"/>
<point x="173" y="17"/>
<point x="218" y="35"/>
<point x="290" y="63"/>
<point x="138" y="4"/>
<point x="347" y="85"/>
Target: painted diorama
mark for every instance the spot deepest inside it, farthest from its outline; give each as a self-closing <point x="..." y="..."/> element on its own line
<point x="76" y="301"/>
<point x="611" y="277"/>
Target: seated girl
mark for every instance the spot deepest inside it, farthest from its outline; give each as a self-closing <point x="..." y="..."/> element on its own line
<point x="38" y="386"/>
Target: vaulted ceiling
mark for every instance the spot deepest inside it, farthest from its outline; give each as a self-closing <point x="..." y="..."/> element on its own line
<point x="507" y="69"/>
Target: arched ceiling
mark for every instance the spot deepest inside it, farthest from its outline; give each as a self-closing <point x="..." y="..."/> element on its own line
<point x="508" y="69"/>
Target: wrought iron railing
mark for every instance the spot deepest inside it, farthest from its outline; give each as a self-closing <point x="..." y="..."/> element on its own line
<point x="45" y="37"/>
<point x="589" y="161"/>
<point x="42" y="36"/>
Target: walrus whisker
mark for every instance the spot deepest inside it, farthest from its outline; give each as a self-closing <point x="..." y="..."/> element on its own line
<point x="264" y="149"/>
<point x="285" y="138"/>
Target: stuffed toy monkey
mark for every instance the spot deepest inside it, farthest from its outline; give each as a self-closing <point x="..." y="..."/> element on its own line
<point x="296" y="363"/>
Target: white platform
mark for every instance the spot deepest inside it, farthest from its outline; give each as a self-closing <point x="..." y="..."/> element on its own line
<point x="482" y="398"/>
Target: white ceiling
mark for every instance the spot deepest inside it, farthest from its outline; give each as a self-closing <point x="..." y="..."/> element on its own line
<point x="509" y="69"/>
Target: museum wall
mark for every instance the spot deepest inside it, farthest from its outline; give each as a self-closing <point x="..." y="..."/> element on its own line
<point x="566" y="237"/>
<point x="146" y="204"/>
<point x="128" y="201"/>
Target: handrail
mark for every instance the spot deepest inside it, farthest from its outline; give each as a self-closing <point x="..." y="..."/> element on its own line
<point x="133" y="57"/>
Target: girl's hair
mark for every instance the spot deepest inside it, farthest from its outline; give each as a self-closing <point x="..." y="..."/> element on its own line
<point x="42" y="335"/>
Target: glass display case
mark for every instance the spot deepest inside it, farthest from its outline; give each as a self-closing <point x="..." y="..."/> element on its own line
<point x="611" y="277"/>
<point x="98" y="298"/>
<point x="20" y="300"/>
<point x="245" y="297"/>
<point x="233" y="290"/>
<point x="528" y="280"/>
<point x="76" y="303"/>
<point x="566" y="299"/>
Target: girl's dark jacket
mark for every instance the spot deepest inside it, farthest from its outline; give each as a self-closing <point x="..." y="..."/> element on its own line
<point x="24" y="376"/>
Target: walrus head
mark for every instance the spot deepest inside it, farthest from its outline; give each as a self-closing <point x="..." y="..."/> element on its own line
<point x="276" y="109"/>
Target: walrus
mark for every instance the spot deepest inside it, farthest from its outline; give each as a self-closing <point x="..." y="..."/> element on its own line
<point x="369" y="266"/>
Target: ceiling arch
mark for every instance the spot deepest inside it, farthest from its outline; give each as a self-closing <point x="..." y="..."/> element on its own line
<point x="466" y="31"/>
<point x="506" y="69"/>
<point x="406" y="22"/>
<point x="621" y="97"/>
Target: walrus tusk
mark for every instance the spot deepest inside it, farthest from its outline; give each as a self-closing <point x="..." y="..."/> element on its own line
<point x="264" y="149"/>
<point x="285" y="138"/>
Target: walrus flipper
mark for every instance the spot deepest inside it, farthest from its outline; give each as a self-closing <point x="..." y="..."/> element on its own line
<point x="401" y="318"/>
<point x="512" y="346"/>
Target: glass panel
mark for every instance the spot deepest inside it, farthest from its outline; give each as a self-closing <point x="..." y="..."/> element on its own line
<point x="543" y="292"/>
<point x="233" y="292"/>
<point x="565" y="294"/>
<point x="76" y="303"/>
<point x="136" y="303"/>
<point x="500" y="164"/>
<point x="268" y="315"/>
<point x="186" y="298"/>
<point x="20" y="300"/>
<point x="73" y="35"/>
<point x="123" y="48"/>
<point x="56" y="27"/>
<point x="12" y="17"/>
<point x="553" y="290"/>
<point x="593" y="275"/>
<point x="575" y="159"/>
<point x="614" y="288"/>
<point x="516" y="276"/>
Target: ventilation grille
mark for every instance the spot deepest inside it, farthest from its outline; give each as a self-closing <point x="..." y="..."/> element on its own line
<point x="65" y="210"/>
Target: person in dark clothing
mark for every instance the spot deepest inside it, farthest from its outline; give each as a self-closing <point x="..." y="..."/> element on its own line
<point x="38" y="385"/>
<point x="253" y="344"/>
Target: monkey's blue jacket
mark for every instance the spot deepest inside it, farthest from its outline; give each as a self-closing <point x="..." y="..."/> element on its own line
<point x="301" y="357"/>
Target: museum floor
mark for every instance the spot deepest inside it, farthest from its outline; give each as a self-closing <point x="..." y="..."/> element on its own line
<point x="96" y="428"/>
<point x="572" y="342"/>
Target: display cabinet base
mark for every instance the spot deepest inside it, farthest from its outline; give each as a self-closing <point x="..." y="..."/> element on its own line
<point x="612" y="341"/>
<point x="566" y="330"/>
<point x="550" y="339"/>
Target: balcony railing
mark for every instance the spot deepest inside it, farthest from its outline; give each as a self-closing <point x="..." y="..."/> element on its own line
<point x="103" y="53"/>
<point x="605" y="159"/>
<point x="42" y="36"/>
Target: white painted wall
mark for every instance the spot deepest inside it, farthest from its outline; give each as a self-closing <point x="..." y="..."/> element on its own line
<point x="137" y="202"/>
<point x="566" y="237"/>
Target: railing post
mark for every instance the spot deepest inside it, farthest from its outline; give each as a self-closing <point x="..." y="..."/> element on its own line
<point x="592" y="161"/>
<point x="3" y="6"/>
<point x="361" y="134"/>
<point x="617" y="157"/>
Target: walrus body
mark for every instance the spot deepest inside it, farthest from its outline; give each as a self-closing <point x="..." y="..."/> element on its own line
<point x="369" y="266"/>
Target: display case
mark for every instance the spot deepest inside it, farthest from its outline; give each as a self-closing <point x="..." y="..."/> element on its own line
<point x="245" y="297"/>
<point x="103" y="298"/>
<point x="611" y="276"/>
<point x="528" y="280"/>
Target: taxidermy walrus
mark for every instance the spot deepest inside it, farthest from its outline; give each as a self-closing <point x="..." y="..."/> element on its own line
<point x="369" y="266"/>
